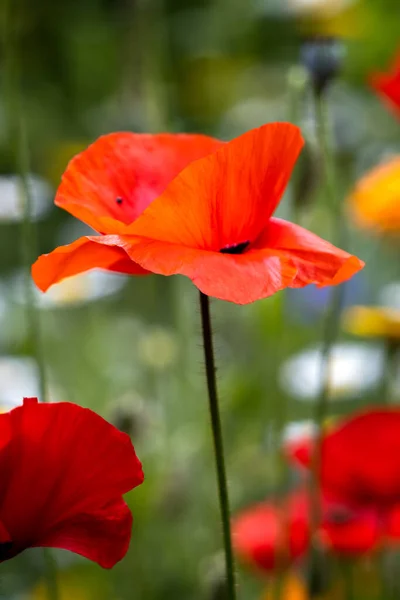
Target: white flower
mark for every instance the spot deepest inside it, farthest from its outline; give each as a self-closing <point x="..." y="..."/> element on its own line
<point x="11" y="198"/>
<point x="73" y="291"/>
<point x="390" y="295"/>
<point x="19" y="378"/>
<point x="355" y="368"/>
<point x="298" y="430"/>
<point x="326" y="7"/>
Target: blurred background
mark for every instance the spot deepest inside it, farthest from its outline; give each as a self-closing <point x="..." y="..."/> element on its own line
<point x="130" y="348"/>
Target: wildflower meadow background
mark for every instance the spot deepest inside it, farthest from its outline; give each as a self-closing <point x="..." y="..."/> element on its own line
<point x="290" y="368"/>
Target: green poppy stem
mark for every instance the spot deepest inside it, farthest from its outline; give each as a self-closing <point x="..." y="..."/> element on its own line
<point x="29" y="254"/>
<point x="390" y="352"/>
<point x="218" y="444"/>
<point x="330" y="333"/>
<point x="28" y="234"/>
<point x="348" y="575"/>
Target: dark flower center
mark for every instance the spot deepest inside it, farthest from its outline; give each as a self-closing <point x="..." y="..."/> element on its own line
<point x="235" y="248"/>
<point x="5" y="550"/>
<point x="339" y="515"/>
<point x="119" y="200"/>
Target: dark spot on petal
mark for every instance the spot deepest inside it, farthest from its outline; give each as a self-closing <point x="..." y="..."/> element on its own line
<point x="5" y="550"/>
<point x="119" y="200"/>
<point x="235" y="248"/>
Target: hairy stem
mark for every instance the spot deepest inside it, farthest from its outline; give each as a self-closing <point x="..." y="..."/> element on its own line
<point x="218" y="444"/>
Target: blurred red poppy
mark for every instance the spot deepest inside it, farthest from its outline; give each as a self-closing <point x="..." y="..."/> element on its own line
<point x="269" y="536"/>
<point x="349" y="532"/>
<point x="211" y="222"/>
<point x="354" y="469"/>
<point x="360" y="474"/>
<point x="388" y="85"/>
<point x="64" y="470"/>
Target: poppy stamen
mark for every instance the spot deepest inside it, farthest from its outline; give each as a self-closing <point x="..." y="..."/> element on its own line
<point x="119" y="200"/>
<point x="235" y="248"/>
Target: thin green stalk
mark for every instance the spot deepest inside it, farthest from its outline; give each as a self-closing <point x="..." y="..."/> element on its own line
<point x="347" y="568"/>
<point x="390" y="350"/>
<point x="218" y="444"/>
<point x="278" y="585"/>
<point x="387" y="581"/>
<point x="331" y="328"/>
<point x="29" y="253"/>
<point x="28" y="241"/>
<point x="296" y="83"/>
<point x="295" y="89"/>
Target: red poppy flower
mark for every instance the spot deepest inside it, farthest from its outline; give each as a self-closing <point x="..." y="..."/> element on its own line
<point x="355" y="470"/>
<point x="268" y="536"/>
<point x="349" y="532"/>
<point x="64" y="470"/>
<point x="388" y="85"/>
<point x="361" y="476"/>
<point x="211" y="222"/>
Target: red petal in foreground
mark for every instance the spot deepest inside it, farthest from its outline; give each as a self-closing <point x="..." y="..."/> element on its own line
<point x="213" y="224"/>
<point x="239" y="278"/>
<point x="225" y="199"/>
<point x="109" y="184"/>
<point x="316" y="260"/>
<point x="100" y="535"/>
<point x="64" y="471"/>
<point x="82" y="255"/>
<point x="388" y="86"/>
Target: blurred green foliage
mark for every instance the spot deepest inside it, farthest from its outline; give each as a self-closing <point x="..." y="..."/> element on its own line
<point x="220" y="67"/>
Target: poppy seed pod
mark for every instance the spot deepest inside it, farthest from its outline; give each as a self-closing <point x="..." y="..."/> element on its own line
<point x="322" y="57"/>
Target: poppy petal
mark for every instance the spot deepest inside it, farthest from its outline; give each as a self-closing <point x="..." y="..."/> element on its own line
<point x="316" y="260"/>
<point x="109" y="184"/>
<point x="226" y="198"/>
<point x="241" y="278"/>
<point x="349" y="532"/>
<point x="268" y="537"/>
<point x="64" y="461"/>
<point x="86" y="253"/>
<point x="388" y="86"/>
<point x="392" y="524"/>
<point x="102" y="536"/>
<point x="356" y="471"/>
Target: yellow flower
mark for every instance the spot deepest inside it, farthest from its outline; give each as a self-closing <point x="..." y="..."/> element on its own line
<point x="375" y="201"/>
<point x="337" y="18"/>
<point x="293" y="589"/>
<point x="374" y="321"/>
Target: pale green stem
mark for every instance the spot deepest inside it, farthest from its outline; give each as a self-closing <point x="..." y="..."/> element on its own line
<point x="330" y="333"/>
<point x="28" y="245"/>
